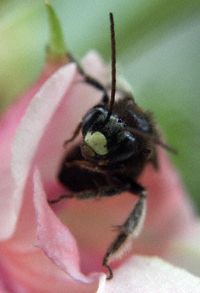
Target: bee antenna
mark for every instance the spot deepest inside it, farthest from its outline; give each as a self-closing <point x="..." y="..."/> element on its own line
<point x="113" y="65"/>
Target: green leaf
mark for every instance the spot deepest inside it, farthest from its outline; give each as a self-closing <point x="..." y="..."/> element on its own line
<point x="56" y="47"/>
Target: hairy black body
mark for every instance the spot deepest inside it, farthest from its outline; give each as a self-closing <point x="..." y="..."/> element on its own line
<point x="126" y="159"/>
<point x="118" y="140"/>
<point x="131" y="144"/>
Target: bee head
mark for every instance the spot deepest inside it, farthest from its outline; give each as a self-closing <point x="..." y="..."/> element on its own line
<point x="106" y="140"/>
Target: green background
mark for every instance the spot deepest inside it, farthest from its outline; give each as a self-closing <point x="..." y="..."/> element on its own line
<point x="158" y="51"/>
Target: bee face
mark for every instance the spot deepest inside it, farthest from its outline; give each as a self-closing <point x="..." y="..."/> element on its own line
<point x="107" y="139"/>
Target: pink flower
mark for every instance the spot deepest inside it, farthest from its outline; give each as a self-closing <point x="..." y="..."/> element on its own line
<point x="60" y="248"/>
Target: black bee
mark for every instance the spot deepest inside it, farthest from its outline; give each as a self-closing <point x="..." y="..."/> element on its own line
<point x="119" y="140"/>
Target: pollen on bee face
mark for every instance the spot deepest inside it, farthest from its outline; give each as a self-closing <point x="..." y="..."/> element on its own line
<point x="97" y="141"/>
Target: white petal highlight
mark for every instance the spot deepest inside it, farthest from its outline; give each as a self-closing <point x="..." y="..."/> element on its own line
<point x="32" y="127"/>
<point x="146" y="274"/>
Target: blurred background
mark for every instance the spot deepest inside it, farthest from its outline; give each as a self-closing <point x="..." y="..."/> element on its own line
<point x="158" y="51"/>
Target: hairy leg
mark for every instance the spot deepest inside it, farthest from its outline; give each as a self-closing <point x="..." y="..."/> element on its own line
<point x="92" y="81"/>
<point x="74" y="135"/>
<point x="61" y="197"/>
<point x="131" y="227"/>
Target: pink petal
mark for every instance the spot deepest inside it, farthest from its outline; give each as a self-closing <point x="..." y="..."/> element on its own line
<point x="96" y="67"/>
<point x="40" y="143"/>
<point x="8" y="124"/>
<point x="145" y="275"/>
<point x="170" y="213"/>
<point x="184" y="251"/>
<point x="35" y="121"/>
<point x="8" y="216"/>
<point x="30" y="273"/>
<point x="30" y="132"/>
<point x="54" y="238"/>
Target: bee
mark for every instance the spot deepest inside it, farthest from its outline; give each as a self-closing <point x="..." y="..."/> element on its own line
<point x="118" y="140"/>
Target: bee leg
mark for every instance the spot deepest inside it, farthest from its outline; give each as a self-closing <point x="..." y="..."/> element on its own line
<point x="92" y="81"/>
<point x="95" y="83"/>
<point x="74" y="135"/>
<point x="129" y="229"/>
<point x="90" y="193"/>
<point x="61" y="197"/>
<point x="85" y="165"/>
<point x="103" y="191"/>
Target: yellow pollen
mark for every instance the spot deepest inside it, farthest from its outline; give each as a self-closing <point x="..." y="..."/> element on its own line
<point x="97" y="141"/>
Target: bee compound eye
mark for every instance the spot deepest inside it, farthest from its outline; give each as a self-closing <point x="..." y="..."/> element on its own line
<point x="91" y="117"/>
